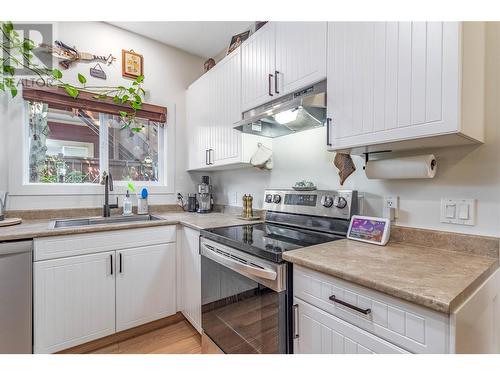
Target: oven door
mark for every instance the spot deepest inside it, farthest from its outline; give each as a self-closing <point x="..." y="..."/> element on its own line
<point x="243" y="300"/>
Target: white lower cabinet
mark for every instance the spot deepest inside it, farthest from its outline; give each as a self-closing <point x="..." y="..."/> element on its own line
<point x="80" y="298"/>
<point x="405" y="325"/>
<point x="321" y="333"/>
<point x="188" y="242"/>
<point x="145" y="285"/>
<point x="74" y="301"/>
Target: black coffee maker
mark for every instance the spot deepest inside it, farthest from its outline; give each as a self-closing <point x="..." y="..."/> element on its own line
<point x="192" y="204"/>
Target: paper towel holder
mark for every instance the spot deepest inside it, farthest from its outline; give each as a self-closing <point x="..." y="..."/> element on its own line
<point x="367" y="155"/>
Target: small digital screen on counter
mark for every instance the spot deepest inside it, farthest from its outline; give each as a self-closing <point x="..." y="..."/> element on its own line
<point x="364" y="229"/>
<point x="301" y="199"/>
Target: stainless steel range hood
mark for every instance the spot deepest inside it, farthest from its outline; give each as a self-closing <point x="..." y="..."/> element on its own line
<point x="302" y="110"/>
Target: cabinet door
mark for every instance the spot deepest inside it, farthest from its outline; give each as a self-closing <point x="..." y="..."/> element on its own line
<point x="198" y="119"/>
<point x="145" y="285"/>
<point x="74" y="301"/>
<point x="190" y="279"/>
<point x="322" y="333"/>
<point x="300" y="54"/>
<point x="225" y="88"/>
<point x="258" y="62"/>
<point x="391" y="81"/>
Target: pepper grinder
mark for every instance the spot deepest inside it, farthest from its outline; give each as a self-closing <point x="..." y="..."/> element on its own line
<point x="249" y="206"/>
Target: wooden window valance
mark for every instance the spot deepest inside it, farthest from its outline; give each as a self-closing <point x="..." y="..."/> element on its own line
<point x="56" y="97"/>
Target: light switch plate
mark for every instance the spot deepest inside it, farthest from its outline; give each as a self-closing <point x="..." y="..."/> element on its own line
<point x="458" y="211"/>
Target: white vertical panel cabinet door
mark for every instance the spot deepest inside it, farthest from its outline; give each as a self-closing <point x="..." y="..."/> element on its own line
<point x="257" y="67"/>
<point x="392" y="81"/>
<point x="322" y="333"/>
<point x="225" y="88"/>
<point x="145" y="285"/>
<point x="197" y="118"/>
<point x="74" y="301"/>
<point x="190" y="279"/>
<point x="300" y="55"/>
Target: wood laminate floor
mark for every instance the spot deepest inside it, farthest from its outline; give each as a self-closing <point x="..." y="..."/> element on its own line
<point x="178" y="338"/>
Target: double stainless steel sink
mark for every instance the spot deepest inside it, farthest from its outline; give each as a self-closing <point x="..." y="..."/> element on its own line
<point x="67" y="223"/>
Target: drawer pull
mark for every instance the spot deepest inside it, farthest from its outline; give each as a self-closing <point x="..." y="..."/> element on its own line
<point x="295" y="333"/>
<point x="355" y="308"/>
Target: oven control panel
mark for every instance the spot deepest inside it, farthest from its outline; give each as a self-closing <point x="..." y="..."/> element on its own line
<point x="338" y="204"/>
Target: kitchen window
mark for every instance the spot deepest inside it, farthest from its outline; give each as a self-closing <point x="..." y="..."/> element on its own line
<point x="75" y="146"/>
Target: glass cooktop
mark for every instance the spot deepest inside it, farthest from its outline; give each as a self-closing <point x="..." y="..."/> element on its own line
<point x="267" y="241"/>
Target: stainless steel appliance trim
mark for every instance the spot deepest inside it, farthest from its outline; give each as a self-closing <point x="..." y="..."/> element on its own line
<point x="350" y="196"/>
<point x="17" y="247"/>
<point x="16" y="331"/>
<point x="284" y="103"/>
<point x="266" y="273"/>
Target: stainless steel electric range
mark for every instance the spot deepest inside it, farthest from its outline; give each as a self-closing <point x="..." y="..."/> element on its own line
<point x="246" y="285"/>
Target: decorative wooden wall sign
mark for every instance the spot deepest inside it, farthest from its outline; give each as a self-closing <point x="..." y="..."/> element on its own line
<point x="98" y="72"/>
<point x="70" y="55"/>
<point x="132" y="64"/>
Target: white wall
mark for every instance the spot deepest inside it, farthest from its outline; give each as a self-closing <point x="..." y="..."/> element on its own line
<point x="464" y="172"/>
<point x="168" y="71"/>
<point x="3" y="145"/>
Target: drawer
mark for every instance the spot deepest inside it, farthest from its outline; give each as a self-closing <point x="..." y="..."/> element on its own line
<point x="321" y="333"/>
<point x="89" y="243"/>
<point x="415" y="328"/>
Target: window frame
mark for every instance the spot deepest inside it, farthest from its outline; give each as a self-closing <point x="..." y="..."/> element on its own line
<point x="19" y="183"/>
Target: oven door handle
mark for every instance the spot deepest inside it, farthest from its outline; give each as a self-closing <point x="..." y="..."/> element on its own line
<point x="264" y="273"/>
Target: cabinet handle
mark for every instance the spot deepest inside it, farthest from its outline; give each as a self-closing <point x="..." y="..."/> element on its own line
<point x="111" y="262"/>
<point x="121" y="263"/>
<point x="295" y="333"/>
<point x="355" y="308"/>
<point x="276" y="73"/>
<point x="328" y="122"/>
<point x="210" y="156"/>
<point x="269" y="77"/>
<point x="206" y="157"/>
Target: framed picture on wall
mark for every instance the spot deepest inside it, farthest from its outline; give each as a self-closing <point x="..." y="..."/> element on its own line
<point x="132" y="64"/>
<point x="236" y="41"/>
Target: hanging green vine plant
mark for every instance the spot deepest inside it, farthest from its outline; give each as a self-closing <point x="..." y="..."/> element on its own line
<point x="18" y="53"/>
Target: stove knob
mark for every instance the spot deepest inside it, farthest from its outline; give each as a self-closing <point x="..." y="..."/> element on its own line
<point x="340" y="202"/>
<point x="269" y="198"/>
<point x="326" y="201"/>
<point x="276" y="198"/>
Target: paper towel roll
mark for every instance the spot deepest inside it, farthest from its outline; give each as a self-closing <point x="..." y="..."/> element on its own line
<point x="422" y="166"/>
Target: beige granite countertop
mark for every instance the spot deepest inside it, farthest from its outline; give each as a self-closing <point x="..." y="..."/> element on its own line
<point x="40" y="228"/>
<point x="438" y="279"/>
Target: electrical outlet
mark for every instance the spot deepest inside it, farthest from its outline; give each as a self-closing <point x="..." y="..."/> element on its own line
<point x="391" y="207"/>
<point x="391" y="202"/>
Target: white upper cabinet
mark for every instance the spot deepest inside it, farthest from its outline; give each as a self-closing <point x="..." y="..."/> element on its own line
<point x="300" y="55"/>
<point x="258" y="66"/>
<point x="403" y="81"/>
<point x="225" y="107"/>
<point x="280" y="58"/>
<point x="197" y="119"/>
<point x="214" y="106"/>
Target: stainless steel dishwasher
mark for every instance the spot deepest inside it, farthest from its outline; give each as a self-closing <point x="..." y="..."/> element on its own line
<point x="16" y="297"/>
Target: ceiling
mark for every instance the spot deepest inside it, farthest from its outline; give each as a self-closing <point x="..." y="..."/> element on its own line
<point x="205" y="39"/>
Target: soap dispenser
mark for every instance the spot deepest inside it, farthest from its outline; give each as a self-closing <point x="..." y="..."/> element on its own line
<point x="127" y="205"/>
